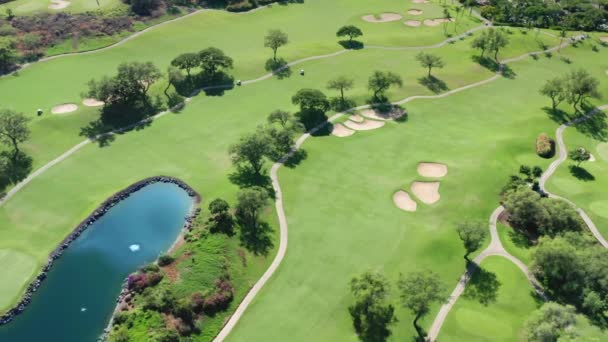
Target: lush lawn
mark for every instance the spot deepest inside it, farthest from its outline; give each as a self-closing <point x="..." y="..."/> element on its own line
<point x="342" y="219"/>
<point x="496" y="314"/>
<point x="21" y="7"/>
<point x="515" y="243"/>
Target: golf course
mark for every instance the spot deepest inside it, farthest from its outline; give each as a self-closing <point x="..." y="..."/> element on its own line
<point x="310" y="170"/>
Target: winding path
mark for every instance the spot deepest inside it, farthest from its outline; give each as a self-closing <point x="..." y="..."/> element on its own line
<point x="496" y="248"/>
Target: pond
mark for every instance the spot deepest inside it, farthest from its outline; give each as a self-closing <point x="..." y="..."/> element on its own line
<point x="78" y="297"/>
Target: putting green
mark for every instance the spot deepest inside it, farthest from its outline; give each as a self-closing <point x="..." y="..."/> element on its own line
<point x="501" y="319"/>
<point x="20" y="267"/>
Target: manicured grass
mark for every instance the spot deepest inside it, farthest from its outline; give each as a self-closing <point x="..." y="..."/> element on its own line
<point x="19" y="267"/>
<point x="515" y="243"/>
<point x="483" y="135"/>
<point x="24" y="7"/>
<point x="501" y="319"/>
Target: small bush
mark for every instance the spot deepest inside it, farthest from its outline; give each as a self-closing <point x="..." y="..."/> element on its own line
<point x="220" y="300"/>
<point x="545" y="146"/>
<point x="165" y="260"/>
<point x="149" y="268"/>
<point x="139" y="281"/>
<point x="197" y="301"/>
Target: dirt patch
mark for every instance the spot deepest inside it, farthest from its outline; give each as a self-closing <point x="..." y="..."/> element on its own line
<point x="171" y="270"/>
<point x="393" y="113"/>
<point x="92" y="103"/>
<point x="414" y="11"/>
<point x="403" y="201"/>
<point x="436" y="22"/>
<point x="604" y="39"/>
<point x="412" y="23"/>
<point x="435" y="170"/>
<point x="59" y="4"/>
<point x="366" y="125"/>
<point x="382" y="18"/>
<point x="427" y="192"/>
<point x="340" y="131"/>
<point x="64" y="108"/>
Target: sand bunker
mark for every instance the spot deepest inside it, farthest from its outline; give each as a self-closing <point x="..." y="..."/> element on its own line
<point x="341" y="131"/>
<point x="92" y="103"/>
<point x="382" y="18"/>
<point x="412" y="23"/>
<point x="604" y="39"/>
<point x="59" y="4"/>
<point x="357" y="118"/>
<point x="393" y="113"/>
<point x="436" y="22"/>
<point x="403" y="201"/>
<point x="591" y="157"/>
<point x="427" y="192"/>
<point x="420" y="1"/>
<point x="64" y="108"/>
<point x="435" y="170"/>
<point x="366" y="125"/>
<point x="414" y="12"/>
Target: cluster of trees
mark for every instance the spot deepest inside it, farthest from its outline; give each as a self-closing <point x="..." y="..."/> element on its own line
<point x="491" y="40"/>
<point x="575" y="88"/>
<point x="243" y="5"/>
<point x="572" y="15"/>
<point x="14" y="163"/>
<point x="574" y="270"/>
<point x="552" y="322"/>
<point x="211" y="63"/>
<point x="372" y="314"/>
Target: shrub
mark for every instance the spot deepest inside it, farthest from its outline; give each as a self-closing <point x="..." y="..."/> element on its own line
<point x="196" y="301"/>
<point x="220" y="300"/>
<point x="139" y="281"/>
<point x="149" y="268"/>
<point x="545" y="146"/>
<point x="165" y="260"/>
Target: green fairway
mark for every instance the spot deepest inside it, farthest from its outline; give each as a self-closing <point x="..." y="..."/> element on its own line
<point x="503" y="317"/>
<point x="20" y="267"/>
<point x="22" y="7"/>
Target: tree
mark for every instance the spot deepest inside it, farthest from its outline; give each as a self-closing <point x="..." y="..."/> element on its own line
<point x="313" y="105"/>
<point x="211" y="59"/>
<point x="349" y="31"/>
<point x="555" y="89"/>
<point x="556" y="264"/>
<point x="381" y="81"/>
<point x="537" y="172"/>
<point x="220" y="219"/>
<point x="371" y="314"/>
<point x="580" y="86"/>
<point x="274" y="39"/>
<point x="419" y="290"/>
<point x="13" y="130"/>
<point x="186" y="61"/>
<point x="481" y="42"/>
<point x="281" y="117"/>
<point x="251" y="149"/>
<point x="498" y="41"/>
<point x="249" y="205"/>
<point x="144" y="7"/>
<point x="7" y="58"/>
<point x="472" y="234"/>
<point x="558" y="216"/>
<point x="429" y="61"/>
<point x="174" y="77"/>
<point x="579" y="155"/>
<point x="551" y="322"/>
<point x="131" y="83"/>
<point x="341" y="83"/>
<point x="524" y="208"/>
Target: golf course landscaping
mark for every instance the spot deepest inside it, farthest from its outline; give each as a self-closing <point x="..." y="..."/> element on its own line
<point x="379" y="188"/>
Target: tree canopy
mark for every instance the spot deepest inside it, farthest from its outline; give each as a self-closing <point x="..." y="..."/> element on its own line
<point x="429" y="61"/>
<point x="274" y="39"/>
<point x="186" y="61"/>
<point x="490" y="40"/>
<point x="341" y="83"/>
<point x="380" y="81"/>
<point x="13" y="129"/>
<point x="472" y="234"/>
<point x="579" y="155"/>
<point x="130" y="84"/>
<point x="418" y="291"/>
<point x="551" y="322"/>
<point x="212" y="59"/>
<point x="251" y="149"/>
<point x="349" y="31"/>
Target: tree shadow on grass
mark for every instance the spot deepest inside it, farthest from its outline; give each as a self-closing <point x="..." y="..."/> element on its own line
<point x="433" y="84"/>
<point x="520" y="239"/>
<point x="296" y="158"/>
<point x="351" y="44"/>
<point x="279" y="67"/>
<point x="483" y="287"/>
<point x="557" y="115"/>
<point x="595" y="126"/>
<point x="494" y="66"/>
<point x="14" y="169"/>
<point x="580" y="173"/>
<point x="245" y="177"/>
<point x="260" y="243"/>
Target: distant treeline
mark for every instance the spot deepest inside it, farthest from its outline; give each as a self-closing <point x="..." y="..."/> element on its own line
<point x="587" y="15"/>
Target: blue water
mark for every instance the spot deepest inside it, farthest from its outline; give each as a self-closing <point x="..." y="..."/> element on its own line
<point x="77" y="299"/>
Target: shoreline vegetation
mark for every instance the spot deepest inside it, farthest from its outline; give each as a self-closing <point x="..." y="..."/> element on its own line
<point x="98" y="213"/>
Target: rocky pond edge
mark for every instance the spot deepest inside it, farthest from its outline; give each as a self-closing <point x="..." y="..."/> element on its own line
<point x="90" y="220"/>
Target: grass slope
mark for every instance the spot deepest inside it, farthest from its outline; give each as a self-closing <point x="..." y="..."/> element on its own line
<point x="25" y="7"/>
<point x="501" y="319"/>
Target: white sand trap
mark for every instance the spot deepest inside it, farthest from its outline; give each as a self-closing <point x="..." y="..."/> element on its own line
<point x="427" y="192"/>
<point x="394" y="113"/>
<point x="59" y="4"/>
<point x="366" y="125"/>
<point x="403" y="201"/>
<point x="414" y="11"/>
<point x="591" y="157"/>
<point x="92" y="103"/>
<point x="341" y="131"/>
<point x="382" y="18"/>
<point x="604" y="39"/>
<point x="64" y="108"/>
<point x="413" y="23"/>
<point x="436" y="22"/>
<point x="434" y="170"/>
<point x="356" y="118"/>
<point x="420" y="1"/>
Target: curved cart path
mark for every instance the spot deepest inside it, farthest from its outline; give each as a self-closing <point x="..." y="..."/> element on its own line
<point x="496" y="248"/>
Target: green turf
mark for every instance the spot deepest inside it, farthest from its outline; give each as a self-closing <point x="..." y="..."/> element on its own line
<point x="20" y="267"/>
<point x="499" y="319"/>
<point x="25" y="7"/>
<point x="515" y="243"/>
